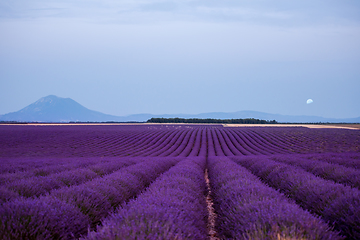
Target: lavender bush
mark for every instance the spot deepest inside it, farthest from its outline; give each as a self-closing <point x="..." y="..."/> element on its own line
<point x="334" y="172"/>
<point x="41" y="218"/>
<point x="248" y="209"/>
<point x="351" y="160"/>
<point x="173" y="207"/>
<point x="98" y="198"/>
<point x="92" y="201"/>
<point x="336" y="203"/>
<point x="36" y="186"/>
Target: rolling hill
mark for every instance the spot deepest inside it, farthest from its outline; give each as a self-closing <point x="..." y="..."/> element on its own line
<point x="57" y="109"/>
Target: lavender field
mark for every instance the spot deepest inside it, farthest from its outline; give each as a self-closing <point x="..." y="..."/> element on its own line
<point x="178" y="182"/>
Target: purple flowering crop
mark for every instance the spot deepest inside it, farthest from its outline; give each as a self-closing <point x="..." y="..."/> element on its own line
<point x="335" y="203"/>
<point x="329" y="171"/>
<point x="248" y="209"/>
<point x="36" y="186"/>
<point x="94" y="199"/>
<point x="147" y="182"/>
<point x="173" y="207"/>
<point x="41" y="218"/>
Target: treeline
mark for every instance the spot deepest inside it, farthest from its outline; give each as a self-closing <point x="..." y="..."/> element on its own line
<point x="12" y="122"/>
<point x="211" y="120"/>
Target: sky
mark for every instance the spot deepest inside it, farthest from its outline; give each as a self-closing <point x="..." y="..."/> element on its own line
<point x="190" y="56"/>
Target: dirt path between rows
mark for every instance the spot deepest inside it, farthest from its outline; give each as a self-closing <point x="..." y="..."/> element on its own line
<point x="211" y="212"/>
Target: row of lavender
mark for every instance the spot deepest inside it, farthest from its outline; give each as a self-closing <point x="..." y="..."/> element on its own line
<point x="329" y="190"/>
<point x="173" y="206"/>
<point x="42" y="180"/>
<point x="169" y="141"/>
<point x="343" y="169"/>
<point x="248" y="209"/>
<point x="68" y="212"/>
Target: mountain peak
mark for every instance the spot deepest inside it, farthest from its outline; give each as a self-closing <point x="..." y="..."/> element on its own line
<point x="48" y="99"/>
<point x="51" y="97"/>
<point x="56" y="109"/>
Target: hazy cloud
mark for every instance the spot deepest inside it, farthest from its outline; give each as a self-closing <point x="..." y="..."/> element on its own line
<point x="279" y="12"/>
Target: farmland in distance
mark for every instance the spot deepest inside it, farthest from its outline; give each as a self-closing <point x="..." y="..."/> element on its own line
<point x="178" y="182"/>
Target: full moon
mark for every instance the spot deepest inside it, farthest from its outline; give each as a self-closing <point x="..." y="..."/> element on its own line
<point x="309" y="101"/>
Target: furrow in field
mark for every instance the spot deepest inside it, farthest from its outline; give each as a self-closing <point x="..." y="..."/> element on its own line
<point x="137" y="147"/>
<point x="73" y="210"/>
<point x="48" y="166"/>
<point x="231" y="143"/>
<point x="179" y="152"/>
<point x="173" y="207"/>
<point x="165" y="149"/>
<point x="152" y="142"/>
<point x="218" y="147"/>
<point x="289" y="144"/>
<point x="351" y="160"/>
<point x="129" y="143"/>
<point x="270" y="144"/>
<point x="328" y="171"/>
<point x="203" y="151"/>
<point x="173" y="144"/>
<point x="238" y="144"/>
<point x="211" y="151"/>
<point x="248" y="209"/>
<point x="159" y="146"/>
<point x="194" y="151"/>
<point x="335" y="203"/>
<point x="244" y="141"/>
<point x="190" y="144"/>
<point x="224" y="145"/>
<point x="172" y="152"/>
<point x="264" y="148"/>
<point x="37" y="186"/>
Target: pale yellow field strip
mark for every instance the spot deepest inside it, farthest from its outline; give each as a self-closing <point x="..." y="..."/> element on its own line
<point x="351" y="126"/>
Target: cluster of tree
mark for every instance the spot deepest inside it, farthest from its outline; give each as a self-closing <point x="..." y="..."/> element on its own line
<point x="12" y="122"/>
<point x="211" y="120"/>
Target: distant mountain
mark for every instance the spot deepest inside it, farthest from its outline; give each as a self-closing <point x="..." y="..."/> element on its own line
<point x="277" y="117"/>
<point x="56" y="109"/>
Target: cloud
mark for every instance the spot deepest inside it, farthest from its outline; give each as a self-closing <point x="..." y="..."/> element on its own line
<point x="281" y="12"/>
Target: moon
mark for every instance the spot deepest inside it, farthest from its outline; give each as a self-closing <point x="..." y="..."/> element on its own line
<point x="309" y="101"/>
